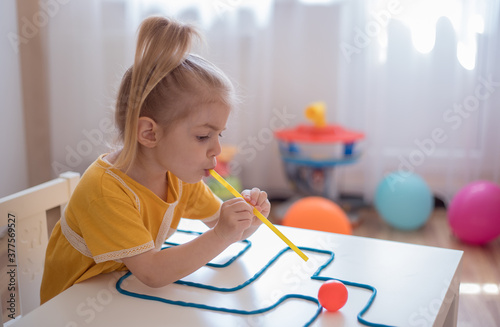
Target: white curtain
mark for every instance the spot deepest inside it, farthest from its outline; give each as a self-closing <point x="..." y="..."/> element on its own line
<point x="422" y="78"/>
<point x="418" y="78"/>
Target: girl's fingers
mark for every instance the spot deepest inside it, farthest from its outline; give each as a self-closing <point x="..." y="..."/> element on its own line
<point x="254" y="196"/>
<point x="254" y="193"/>
<point x="262" y="199"/>
<point x="258" y="199"/>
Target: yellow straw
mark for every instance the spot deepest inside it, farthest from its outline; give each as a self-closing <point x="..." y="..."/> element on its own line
<point x="259" y="215"/>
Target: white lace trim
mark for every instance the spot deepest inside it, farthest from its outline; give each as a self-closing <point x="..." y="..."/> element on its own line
<point x="165" y="226"/>
<point x="163" y="232"/>
<point x="120" y="254"/>
<point x="81" y="246"/>
<point x="73" y="238"/>
<point x="118" y="178"/>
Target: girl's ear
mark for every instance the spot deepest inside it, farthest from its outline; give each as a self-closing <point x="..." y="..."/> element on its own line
<point x="147" y="132"/>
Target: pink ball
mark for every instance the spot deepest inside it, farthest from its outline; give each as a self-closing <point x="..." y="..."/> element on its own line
<point x="474" y="213"/>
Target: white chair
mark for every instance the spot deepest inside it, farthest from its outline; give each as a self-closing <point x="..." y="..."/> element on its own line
<point x="29" y="215"/>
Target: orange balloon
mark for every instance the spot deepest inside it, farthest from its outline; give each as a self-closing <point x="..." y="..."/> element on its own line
<point x="317" y="213"/>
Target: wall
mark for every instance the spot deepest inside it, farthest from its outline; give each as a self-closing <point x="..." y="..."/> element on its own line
<point x="13" y="167"/>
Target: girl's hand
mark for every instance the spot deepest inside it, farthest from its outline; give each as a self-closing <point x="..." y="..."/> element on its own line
<point x="236" y="216"/>
<point x="236" y="220"/>
<point x="259" y="200"/>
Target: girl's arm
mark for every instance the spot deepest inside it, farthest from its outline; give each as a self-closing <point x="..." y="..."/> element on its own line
<point x="157" y="268"/>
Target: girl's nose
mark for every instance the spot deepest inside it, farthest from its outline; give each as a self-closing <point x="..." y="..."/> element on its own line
<point x="215" y="150"/>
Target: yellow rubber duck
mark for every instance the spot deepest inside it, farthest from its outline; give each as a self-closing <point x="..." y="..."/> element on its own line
<point x="315" y="112"/>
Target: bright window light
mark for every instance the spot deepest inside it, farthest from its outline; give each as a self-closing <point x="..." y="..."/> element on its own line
<point x="476" y="288"/>
<point x="491" y="289"/>
<point x="477" y="24"/>
<point x="466" y="55"/>
<point x="423" y="37"/>
<point x="470" y="288"/>
<point x="421" y="17"/>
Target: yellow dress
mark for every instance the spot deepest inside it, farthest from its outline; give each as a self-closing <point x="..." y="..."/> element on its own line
<point x="109" y="217"/>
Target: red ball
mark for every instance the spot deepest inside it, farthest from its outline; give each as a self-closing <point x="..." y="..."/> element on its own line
<point x="332" y="295"/>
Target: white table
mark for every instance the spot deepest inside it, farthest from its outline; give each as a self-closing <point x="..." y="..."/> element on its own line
<point x="417" y="286"/>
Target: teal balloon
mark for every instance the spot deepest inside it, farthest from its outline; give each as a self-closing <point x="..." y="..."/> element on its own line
<point x="404" y="200"/>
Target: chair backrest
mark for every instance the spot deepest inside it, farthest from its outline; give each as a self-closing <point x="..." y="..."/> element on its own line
<point x="23" y="230"/>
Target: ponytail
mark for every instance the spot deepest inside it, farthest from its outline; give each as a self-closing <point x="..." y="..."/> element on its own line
<point x="162" y="46"/>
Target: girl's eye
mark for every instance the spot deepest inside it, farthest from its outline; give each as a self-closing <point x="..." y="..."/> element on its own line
<point x="205" y="137"/>
<point x="202" y="138"/>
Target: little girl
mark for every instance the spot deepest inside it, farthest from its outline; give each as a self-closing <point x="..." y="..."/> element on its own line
<point x="172" y="107"/>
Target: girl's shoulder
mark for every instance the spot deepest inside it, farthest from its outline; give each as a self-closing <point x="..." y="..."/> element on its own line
<point x="102" y="180"/>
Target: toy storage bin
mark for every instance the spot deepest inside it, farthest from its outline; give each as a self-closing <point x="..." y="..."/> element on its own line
<point x="309" y="167"/>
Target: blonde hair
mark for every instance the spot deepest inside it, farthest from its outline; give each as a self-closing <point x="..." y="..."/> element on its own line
<point x="165" y="83"/>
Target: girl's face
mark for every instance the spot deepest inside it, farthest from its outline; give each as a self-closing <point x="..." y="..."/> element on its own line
<point x="188" y="149"/>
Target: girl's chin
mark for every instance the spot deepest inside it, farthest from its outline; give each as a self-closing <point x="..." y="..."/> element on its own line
<point x="192" y="179"/>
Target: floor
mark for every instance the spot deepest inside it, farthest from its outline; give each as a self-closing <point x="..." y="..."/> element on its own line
<point x="479" y="304"/>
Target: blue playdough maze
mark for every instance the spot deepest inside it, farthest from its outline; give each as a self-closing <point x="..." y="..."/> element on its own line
<point x="315" y="276"/>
